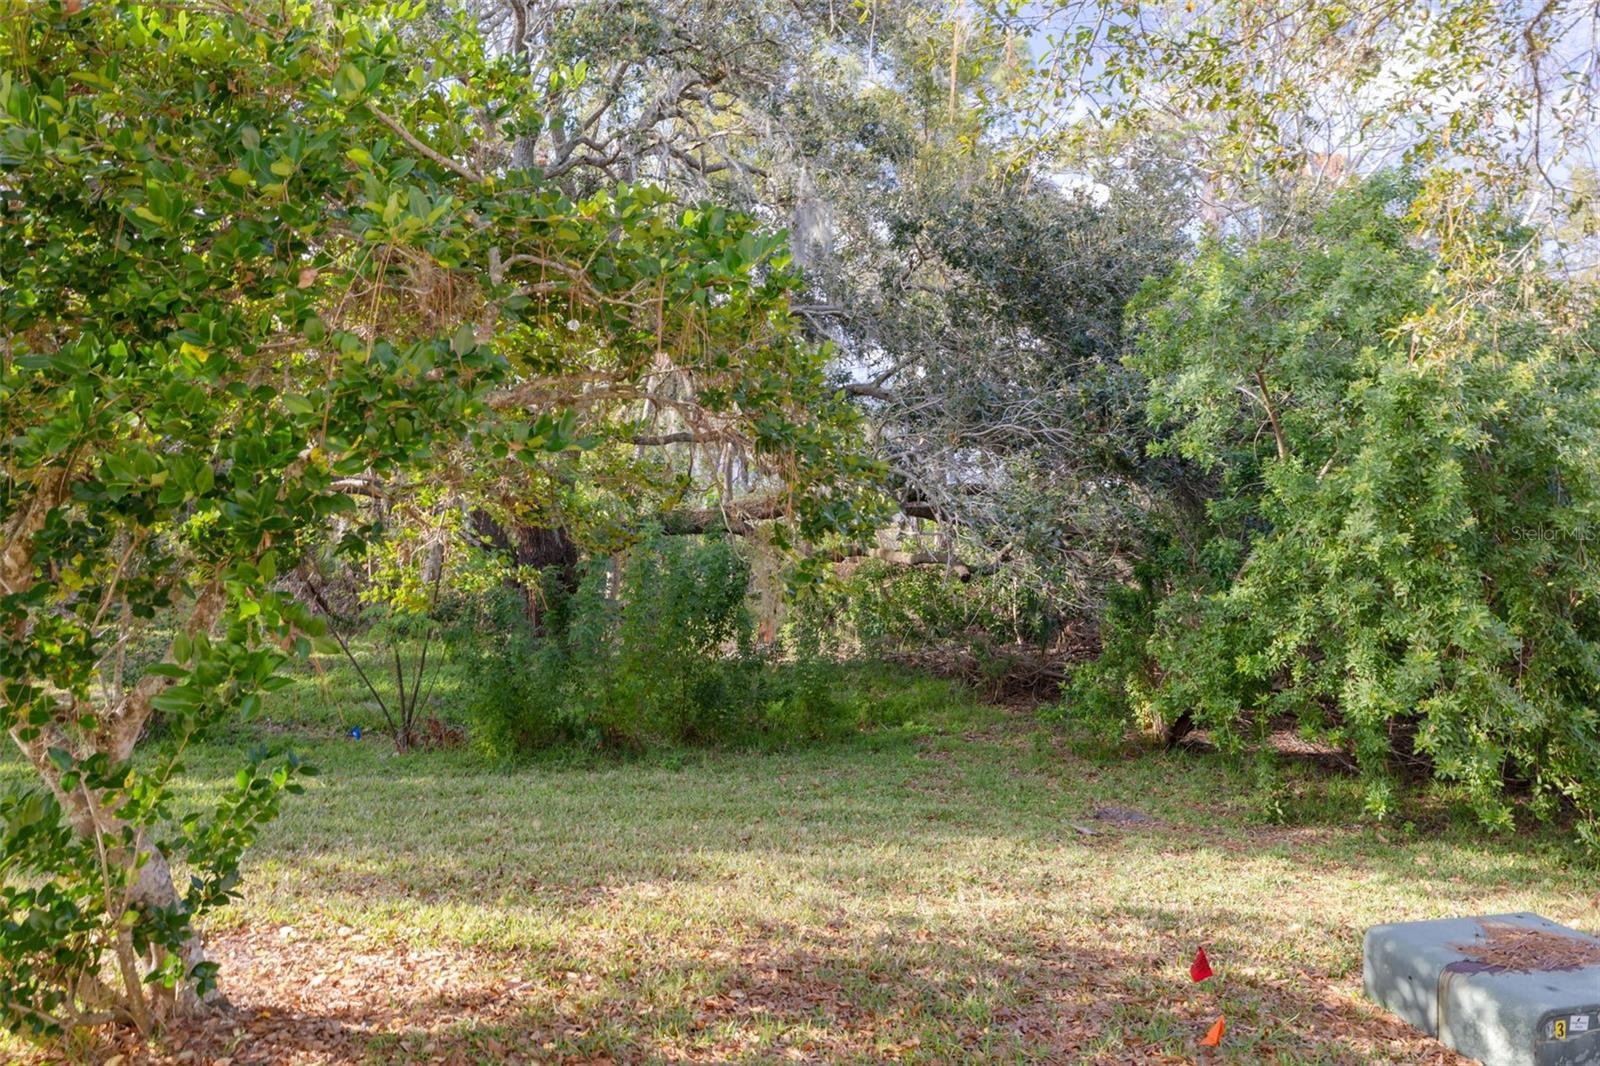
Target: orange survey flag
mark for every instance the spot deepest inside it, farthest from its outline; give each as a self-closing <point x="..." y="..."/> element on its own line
<point x="1200" y="968"/>
<point x="1213" y="1035"/>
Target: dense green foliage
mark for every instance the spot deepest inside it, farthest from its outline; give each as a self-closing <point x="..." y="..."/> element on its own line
<point x="176" y="410"/>
<point x="1393" y="550"/>
<point x="654" y="648"/>
<point x="238" y="286"/>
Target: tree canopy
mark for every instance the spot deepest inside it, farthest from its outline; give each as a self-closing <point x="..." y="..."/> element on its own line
<point x="255" y="263"/>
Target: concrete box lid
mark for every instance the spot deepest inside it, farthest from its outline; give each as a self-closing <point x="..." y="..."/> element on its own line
<point x="1500" y="1016"/>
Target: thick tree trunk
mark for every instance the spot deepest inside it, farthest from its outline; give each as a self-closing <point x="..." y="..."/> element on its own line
<point x="532" y="547"/>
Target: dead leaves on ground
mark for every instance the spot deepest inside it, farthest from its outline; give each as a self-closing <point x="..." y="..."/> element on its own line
<point x="309" y="996"/>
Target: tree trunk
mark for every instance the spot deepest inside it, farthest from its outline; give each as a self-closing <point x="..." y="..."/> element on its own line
<point x="535" y="548"/>
<point x="118" y="729"/>
<point x="153" y="886"/>
<point x="153" y="889"/>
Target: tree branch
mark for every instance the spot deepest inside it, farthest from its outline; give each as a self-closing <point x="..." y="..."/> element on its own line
<point x="866" y="388"/>
<point x="735" y="517"/>
<point x="422" y="149"/>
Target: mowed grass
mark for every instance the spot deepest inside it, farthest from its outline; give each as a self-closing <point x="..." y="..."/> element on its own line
<point x="935" y="889"/>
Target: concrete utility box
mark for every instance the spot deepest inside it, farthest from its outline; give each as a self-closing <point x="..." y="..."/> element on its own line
<point x="1507" y="990"/>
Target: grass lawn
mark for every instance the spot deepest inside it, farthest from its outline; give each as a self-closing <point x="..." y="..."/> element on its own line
<point x="934" y="890"/>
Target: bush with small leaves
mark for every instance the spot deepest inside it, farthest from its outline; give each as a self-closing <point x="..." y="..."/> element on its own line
<point x="1403" y="483"/>
<point x="653" y="649"/>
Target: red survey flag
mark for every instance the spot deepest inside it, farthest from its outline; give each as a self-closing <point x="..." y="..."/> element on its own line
<point x="1200" y="968"/>
<point x="1213" y="1035"/>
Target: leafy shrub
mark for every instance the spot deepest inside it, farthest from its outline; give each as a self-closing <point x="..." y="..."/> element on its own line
<point x="653" y="648"/>
<point x="800" y="699"/>
<point x="881" y="607"/>
<point x="516" y="692"/>
<point x="659" y="660"/>
<point x="1401" y="481"/>
<point x="72" y="899"/>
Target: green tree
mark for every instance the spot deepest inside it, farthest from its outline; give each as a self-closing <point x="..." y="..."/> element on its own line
<point x="254" y="264"/>
<point x="975" y="304"/>
<point x="1394" y="549"/>
<point x="1276" y="103"/>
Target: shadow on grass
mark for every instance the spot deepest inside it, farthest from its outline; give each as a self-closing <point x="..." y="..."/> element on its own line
<point x="818" y="995"/>
<point x="925" y="897"/>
